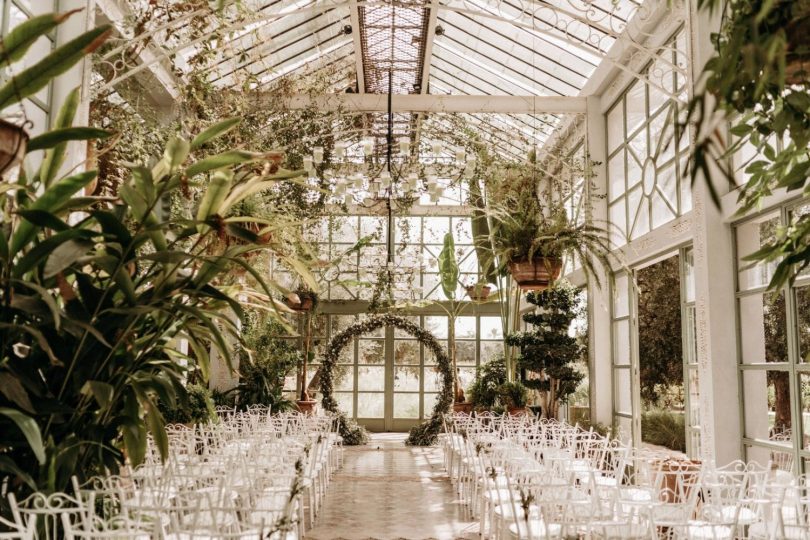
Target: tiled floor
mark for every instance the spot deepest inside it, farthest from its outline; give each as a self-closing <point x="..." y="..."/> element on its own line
<point x="387" y="490"/>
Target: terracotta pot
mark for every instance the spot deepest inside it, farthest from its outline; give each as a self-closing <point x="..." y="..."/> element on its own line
<point x="304" y="305"/>
<point x="13" y="142"/>
<point x="517" y="411"/>
<point x="476" y="292"/>
<point x="673" y="489"/>
<point x="462" y="407"/>
<point x="537" y="274"/>
<point x="306" y="406"/>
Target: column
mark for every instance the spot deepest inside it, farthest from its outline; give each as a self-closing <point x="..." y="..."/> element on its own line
<point x="77" y="76"/>
<point x="714" y="295"/>
<point x="600" y="353"/>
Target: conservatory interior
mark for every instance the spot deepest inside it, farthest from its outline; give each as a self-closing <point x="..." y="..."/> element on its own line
<point x="314" y="269"/>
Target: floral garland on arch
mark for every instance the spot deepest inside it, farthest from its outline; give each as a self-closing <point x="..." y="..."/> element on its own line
<point x="422" y="435"/>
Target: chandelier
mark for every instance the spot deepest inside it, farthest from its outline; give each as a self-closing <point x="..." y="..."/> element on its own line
<point x="361" y="171"/>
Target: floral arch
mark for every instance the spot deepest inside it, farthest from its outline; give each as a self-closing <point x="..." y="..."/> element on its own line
<point x="421" y="435"/>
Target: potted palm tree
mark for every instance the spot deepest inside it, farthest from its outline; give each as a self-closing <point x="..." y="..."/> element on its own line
<point x="448" y="273"/>
<point x="304" y="301"/>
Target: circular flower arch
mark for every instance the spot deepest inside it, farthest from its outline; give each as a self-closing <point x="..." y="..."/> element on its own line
<point x="421" y="435"/>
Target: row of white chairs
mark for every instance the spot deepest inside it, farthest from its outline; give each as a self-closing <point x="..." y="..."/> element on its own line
<point x="253" y="474"/>
<point x="529" y="478"/>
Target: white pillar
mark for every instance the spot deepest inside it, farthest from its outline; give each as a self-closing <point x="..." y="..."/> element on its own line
<point x="714" y="295"/>
<point x="600" y="354"/>
<point x="77" y="76"/>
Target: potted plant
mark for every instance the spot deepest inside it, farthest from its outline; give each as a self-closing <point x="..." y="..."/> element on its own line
<point x="489" y="377"/>
<point x="759" y="81"/>
<point x="305" y="301"/>
<point x="548" y="353"/>
<point x="514" y="396"/>
<point x="302" y="299"/>
<point x="531" y="232"/>
<point x="448" y="274"/>
<point x="479" y="291"/>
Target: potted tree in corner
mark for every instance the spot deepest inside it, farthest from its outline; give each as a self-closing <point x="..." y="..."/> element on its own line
<point x="548" y="353"/>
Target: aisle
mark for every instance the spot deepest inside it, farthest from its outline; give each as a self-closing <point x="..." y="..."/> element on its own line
<point x="387" y="490"/>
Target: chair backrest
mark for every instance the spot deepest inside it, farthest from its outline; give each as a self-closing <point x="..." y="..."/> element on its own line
<point x="44" y="513"/>
<point x="16" y="531"/>
<point x="117" y="527"/>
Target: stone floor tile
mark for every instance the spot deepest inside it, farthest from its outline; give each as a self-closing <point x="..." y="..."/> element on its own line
<point x="388" y="491"/>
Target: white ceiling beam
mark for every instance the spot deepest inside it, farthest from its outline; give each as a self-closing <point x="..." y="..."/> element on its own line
<point x="437" y="103"/>
<point x="433" y="18"/>
<point x="354" y="20"/>
<point x="159" y="82"/>
<point x="424" y="81"/>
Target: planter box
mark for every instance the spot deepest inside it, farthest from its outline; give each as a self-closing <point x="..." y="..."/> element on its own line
<point x="537" y="274"/>
<point x="306" y="406"/>
<point x="478" y="293"/>
<point x="462" y="407"/>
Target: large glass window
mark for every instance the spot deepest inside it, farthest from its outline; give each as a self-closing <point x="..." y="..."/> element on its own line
<point x="774" y="340"/>
<point x="645" y="165"/>
<point x="37" y="108"/>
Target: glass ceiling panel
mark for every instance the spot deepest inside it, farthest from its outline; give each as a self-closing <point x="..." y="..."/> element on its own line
<point x="477" y="47"/>
<point x="500" y="56"/>
<point x="268" y="50"/>
<point x="393" y="41"/>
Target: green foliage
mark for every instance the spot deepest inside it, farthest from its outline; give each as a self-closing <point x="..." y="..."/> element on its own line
<point x="759" y="79"/>
<point x="548" y="351"/>
<point x="264" y="361"/>
<point x="664" y="428"/>
<point x="527" y="224"/>
<point x="195" y="407"/>
<point x="97" y="292"/>
<point x="513" y="394"/>
<point x="428" y="430"/>
<point x="660" y="344"/>
<point x="448" y="267"/>
<point x="485" y="389"/>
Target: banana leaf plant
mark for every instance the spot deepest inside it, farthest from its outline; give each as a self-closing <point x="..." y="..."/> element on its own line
<point x="449" y="275"/>
<point x="96" y="294"/>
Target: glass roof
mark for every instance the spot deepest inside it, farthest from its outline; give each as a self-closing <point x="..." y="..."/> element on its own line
<point x="449" y="47"/>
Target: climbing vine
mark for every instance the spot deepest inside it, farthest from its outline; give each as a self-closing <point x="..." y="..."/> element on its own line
<point x="421" y="435"/>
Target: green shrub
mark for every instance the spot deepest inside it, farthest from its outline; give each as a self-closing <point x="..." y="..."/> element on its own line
<point x="484" y="391"/>
<point x="513" y="394"/>
<point x="664" y="428"/>
<point x="197" y="408"/>
<point x="267" y="358"/>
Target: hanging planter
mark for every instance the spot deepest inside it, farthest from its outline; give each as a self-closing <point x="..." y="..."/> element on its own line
<point x="536" y="274"/>
<point x="478" y="292"/>
<point x="13" y="144"/>
<point x="301" y="301"/>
